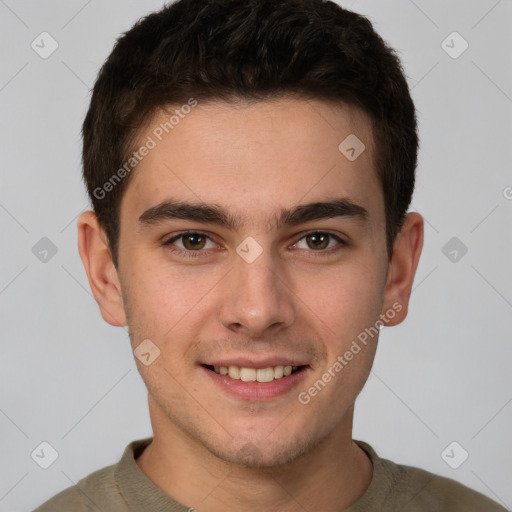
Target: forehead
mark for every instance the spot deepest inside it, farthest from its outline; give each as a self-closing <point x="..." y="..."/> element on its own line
<point x="256" y="158"/>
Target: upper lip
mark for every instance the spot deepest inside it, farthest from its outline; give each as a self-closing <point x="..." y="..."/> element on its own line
<point x="257" y="363"/>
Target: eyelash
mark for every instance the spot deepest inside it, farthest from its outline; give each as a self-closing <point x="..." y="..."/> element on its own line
<point x="201" y="253"/>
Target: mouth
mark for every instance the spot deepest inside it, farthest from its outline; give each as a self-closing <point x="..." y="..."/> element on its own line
<point x="260" y="375"/>
<point x="256" y="379"/>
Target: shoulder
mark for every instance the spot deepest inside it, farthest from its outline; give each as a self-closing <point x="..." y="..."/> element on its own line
<point x="398" y="486"/>
<point x="96" y="492"/>
<point x="430" y="491"/>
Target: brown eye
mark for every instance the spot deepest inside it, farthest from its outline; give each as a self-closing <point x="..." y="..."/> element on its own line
<point x="190" y="243"/>
<point x="194" y="241"/>
<point x="320" y="241"/>
<point x="317" y="241"/>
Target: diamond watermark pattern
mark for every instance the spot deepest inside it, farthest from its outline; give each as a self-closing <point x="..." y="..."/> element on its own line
<point x="146" y="352"/>
<point x="454" y="249"/>
<point x="44" y="455"/>
<point x="250" y="453"/>
<point x="454" y="45"/>
<point x="44" y="250"/>
<point x="249" y="249"/>
<point x="351" y="147"/>
<point x="44" y="45"/>
<point x="454" y="455"/>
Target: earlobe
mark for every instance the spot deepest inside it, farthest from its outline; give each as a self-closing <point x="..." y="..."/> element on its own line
<point x="402" y="268"/>
<point x="101" y="272"/>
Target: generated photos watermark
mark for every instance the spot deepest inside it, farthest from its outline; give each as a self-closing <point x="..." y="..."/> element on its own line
<point x="150" y="143"/>
<point x="305" y="397"/>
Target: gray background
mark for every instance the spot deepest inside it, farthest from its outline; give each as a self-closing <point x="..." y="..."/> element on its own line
<point x="69" y="379"/>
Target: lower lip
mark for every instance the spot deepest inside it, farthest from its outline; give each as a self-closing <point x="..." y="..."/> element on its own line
<point x="257" y="390"/>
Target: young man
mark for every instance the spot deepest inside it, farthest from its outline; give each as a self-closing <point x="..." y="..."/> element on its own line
<point x="250" y="164"/>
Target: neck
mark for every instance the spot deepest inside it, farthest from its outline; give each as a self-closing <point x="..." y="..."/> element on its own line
<point x="330" y="477"/>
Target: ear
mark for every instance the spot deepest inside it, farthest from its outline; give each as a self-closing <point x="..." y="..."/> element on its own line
<point x="101" y="272"/>
<point x="402" y="268"/>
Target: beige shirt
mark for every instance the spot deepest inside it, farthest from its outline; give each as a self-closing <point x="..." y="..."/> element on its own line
<point x="123" y="487"/>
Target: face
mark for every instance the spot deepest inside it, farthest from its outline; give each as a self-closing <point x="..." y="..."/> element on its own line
<point x="256" y="282"/>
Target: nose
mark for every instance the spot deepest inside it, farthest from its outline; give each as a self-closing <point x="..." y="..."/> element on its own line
<point x="258" y="300"/>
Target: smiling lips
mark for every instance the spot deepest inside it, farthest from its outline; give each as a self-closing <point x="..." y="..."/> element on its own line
<point x="257" y="380"/>
<point x="247" y="374"/>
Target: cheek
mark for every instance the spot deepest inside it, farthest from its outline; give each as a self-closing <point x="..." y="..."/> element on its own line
<point x="345" y="299"/>
<point x="163" y="298"/>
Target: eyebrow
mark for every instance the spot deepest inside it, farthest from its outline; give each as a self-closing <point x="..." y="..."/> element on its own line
<point x="215" y="214"/>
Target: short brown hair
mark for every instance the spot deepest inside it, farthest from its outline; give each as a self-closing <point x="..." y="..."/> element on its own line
<point x="255" y="50"/>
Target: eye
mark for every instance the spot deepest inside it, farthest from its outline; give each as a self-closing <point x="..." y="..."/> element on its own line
<point x="193" y="244"/>
<point x="319" y="241"/>
<point x="189" y="242"/>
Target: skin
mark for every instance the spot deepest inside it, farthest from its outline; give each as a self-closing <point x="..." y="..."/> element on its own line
<point x="211" y="450"/>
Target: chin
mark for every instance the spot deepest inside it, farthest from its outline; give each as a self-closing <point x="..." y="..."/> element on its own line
<point x="261" y="453"/>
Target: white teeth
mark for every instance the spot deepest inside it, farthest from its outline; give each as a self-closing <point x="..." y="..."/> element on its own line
<point x="234" y="372"/>
<point x="267" y="374"/>
<point x="248" y="374"/>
